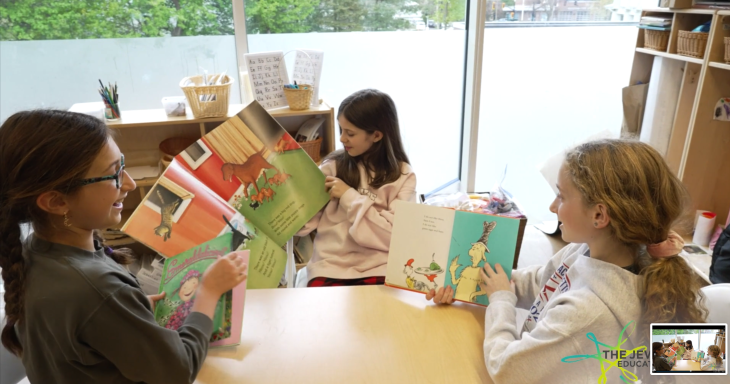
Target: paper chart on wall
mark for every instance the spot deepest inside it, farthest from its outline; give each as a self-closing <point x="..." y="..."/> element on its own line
<point x="267" y="72"/>
<point x="308" y="70"/>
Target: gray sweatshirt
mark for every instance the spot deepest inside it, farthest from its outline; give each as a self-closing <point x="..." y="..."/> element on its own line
<point x="570" y="297"/>
<point x="88" y="321"/>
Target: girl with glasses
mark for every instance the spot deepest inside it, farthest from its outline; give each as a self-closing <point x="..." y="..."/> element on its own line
<point x="74" y="314"/>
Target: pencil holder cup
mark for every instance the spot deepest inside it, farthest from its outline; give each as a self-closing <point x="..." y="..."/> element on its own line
<point x="112" y="113"/>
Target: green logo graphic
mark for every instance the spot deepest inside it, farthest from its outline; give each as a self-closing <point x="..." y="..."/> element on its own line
<point x="613" y="352"/>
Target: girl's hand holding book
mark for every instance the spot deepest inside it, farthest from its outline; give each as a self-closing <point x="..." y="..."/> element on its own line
<point x="155" y="298"/>
<point x="220" y="277"/>
<point x="495" y="280"/>
<point x="335" y="187"/>
<point x="225" y="274"/>
<point x="442" y="296"/>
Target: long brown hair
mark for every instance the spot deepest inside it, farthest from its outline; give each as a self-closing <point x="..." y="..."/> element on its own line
<point x="644" y="200"/>
<point x="40" y="151"/>
<point x="716" y="350"/>
<point x="372" y="110"/>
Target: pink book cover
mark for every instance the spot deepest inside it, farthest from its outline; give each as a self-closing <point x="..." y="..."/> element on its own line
<point x="239" y="298"/>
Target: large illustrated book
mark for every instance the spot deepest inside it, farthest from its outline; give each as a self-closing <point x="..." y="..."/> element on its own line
<point x="247" y="175"/>
<point x="181" y="277"/>
<point x="434" y="247"/>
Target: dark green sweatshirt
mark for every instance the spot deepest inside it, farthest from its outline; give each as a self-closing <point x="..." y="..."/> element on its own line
<point x="88" y="321"/>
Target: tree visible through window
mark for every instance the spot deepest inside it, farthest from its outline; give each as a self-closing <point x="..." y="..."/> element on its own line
<point x="94" y="19"/>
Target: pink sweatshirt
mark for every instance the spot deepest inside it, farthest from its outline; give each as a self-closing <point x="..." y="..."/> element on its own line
<point x="353" y="232"/>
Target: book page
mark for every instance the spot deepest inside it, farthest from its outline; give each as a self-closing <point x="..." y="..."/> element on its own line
<point x="281" y="187"/>
<point x="180" y="212"/>
<point x="181" y="277"/>
<point x="419" y="246"/>
<point x="479" y="238"/>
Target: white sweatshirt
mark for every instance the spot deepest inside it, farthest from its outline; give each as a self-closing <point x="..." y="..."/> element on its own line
<point x="709" y="363"/>
<point x="570" y="297"/>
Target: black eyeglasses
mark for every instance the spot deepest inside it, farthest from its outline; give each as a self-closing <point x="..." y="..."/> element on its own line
<point x="118" y="177"/>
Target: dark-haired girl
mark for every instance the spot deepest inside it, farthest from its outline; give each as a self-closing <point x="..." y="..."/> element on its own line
<point x="74" y="314"/>
<point x="364" y="180"/>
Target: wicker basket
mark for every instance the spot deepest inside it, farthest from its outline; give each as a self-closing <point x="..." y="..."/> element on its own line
<point x="692" y="44"/>
<point x="312" y="148"/>
<point x="207" y="100"/>
<point x="169" y="148"/>
<point x="656" y="40"/>
<point x="299" y="99"/>
<point x="727" y="50"/>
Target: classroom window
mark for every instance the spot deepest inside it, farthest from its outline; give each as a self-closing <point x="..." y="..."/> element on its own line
<point x="64" y="47"/>
<point x="707" y="338"/>
<point x="543" y="89"/>
<point x="414" y="51"/>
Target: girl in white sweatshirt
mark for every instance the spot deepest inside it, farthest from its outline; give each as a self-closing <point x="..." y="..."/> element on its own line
<point x="713" y="361"/>
<point x="363" y="180"/>
<point x="617" y="202"/>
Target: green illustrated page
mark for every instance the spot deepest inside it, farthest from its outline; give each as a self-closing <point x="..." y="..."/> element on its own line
<point x="181" y="276"/>
<point x="267" y="260"/>
<point x="478" y="238"/>
<point x="290" y="187"/>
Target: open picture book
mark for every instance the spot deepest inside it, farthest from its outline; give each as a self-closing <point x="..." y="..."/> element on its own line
<point x="433" y="247"/>
<point x="181" y="277"/>
<point x="247" y="177"/>
<point x="671" y="352"/>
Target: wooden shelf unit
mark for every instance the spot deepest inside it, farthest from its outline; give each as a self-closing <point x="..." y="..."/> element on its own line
<point x="139" y="133"/>
<point x="699" y="146"/>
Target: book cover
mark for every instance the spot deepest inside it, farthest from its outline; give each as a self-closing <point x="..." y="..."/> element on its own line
<point x="247" y="174"/>
<point x="181" y="277"/>
<point x="432" y="247"/>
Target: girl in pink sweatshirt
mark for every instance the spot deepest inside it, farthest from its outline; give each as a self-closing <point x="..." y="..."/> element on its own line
<point x="363" y="180"/>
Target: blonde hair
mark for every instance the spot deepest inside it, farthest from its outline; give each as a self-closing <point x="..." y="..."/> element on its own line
<point x="716" y="349"/>
<point x="644" y="200"/>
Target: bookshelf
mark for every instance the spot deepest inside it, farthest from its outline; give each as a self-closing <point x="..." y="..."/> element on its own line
<point x="699" y="146"/>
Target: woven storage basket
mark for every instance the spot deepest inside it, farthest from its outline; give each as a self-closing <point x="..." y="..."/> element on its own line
<point x="656" y="40"/>
<point x="217" y="96"/>
<point x="312" y="148"/>
<point x="727" y="50"/>
<point x="299" y="99"/>
<point x="692" y="44"/>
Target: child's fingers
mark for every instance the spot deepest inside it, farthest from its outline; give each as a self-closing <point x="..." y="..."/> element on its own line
<point x="235" y="259"/>
<point x="439" y="296"/>
<point x="483" y="275"/>
<point x="330" y="178"/>
<point x="450" y="295"/>
<point x="241" y="269"/>
<point x="445" y="297"/>
<point x="430" y="294"/>
<point x="157" y="297"/>
<point x="499" y="269"/>
<point x="488" y="270"/>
